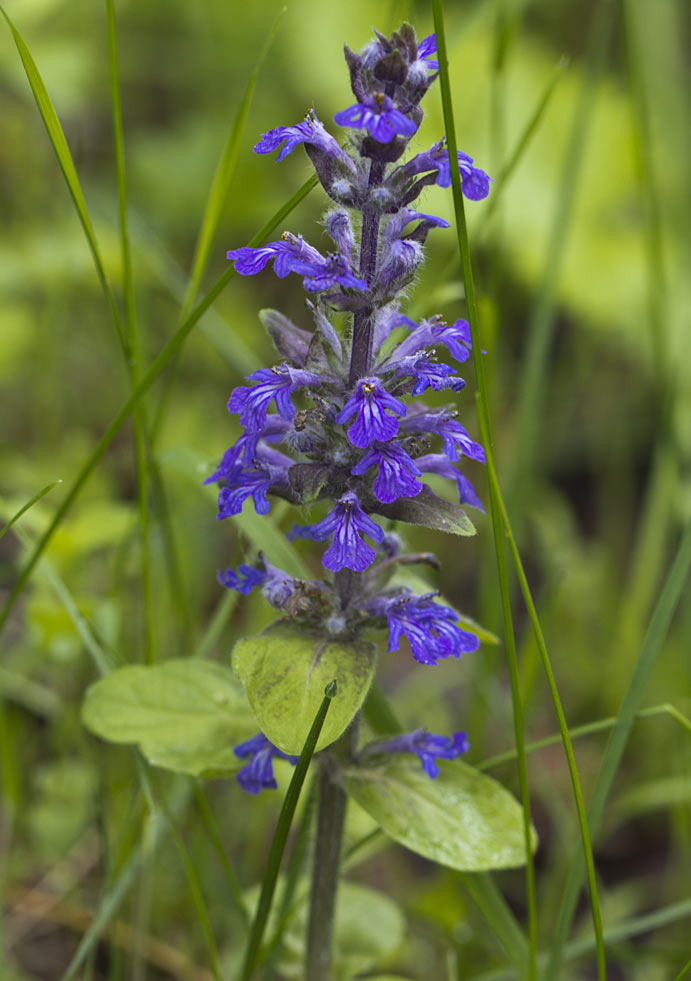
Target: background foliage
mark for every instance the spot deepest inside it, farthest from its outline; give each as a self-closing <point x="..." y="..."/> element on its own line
<point x="581" y="268"/>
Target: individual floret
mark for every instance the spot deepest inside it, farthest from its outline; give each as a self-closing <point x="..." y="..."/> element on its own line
<point x="258" y="774"/>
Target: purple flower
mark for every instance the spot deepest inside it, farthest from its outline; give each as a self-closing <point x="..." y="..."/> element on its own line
<point x="346" y="523"/>
<point x="258" y="774"/>
<point x="431" y="629"/>
<point x="289" y="254"/>
<point x="426" y="745"/>
<point x="276" y="584"/>
<point x="454" y="436"/>
<point x="427" y="47"/>
<point x="244" y="450"/>
<point x="243" y="581"/>
<point x="441" y="465"/>
<point x="310" y="131"/>
<point x="370" y="401"/>
<point x="455" y="337"/>
<point x="398" y="222"/>
<point x="331" y="271"/>
<point x="378" y="116"/>
<point x="252" y="483"/>
<point x="275" y="384"/>
<point x="397" y="472"/>
<point x="474" y="182"/>
<point x="427" y="373"/>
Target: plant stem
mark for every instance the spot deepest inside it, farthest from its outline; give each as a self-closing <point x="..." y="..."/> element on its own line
<point x="363" y="324"/>
<point x="327" y="856"/>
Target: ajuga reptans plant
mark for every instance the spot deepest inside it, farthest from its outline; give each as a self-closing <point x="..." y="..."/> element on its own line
<point x="339" y="425"/>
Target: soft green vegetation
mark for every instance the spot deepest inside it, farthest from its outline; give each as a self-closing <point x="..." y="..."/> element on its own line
<point x="127" y="172"/>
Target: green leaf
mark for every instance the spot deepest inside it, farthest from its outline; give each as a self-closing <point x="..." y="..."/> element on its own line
<point x="285" y="670"/>
<point x="462" y="818"/>
<point x="429" y="510"/>
<point x="368" y="927"/>
<point x="186" y="715"/>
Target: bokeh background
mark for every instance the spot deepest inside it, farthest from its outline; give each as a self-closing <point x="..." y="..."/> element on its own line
<point x="579" y="110"/>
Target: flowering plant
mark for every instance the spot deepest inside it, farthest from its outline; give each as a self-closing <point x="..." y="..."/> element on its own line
<point x="340" y="424"/>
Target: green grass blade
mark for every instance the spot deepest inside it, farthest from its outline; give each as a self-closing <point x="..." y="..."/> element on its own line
<point x="29" y="504"/>
<point x="147" y="380"/>
<point x="215" y="837"/>
<point x="225" y="171"/>
<point x="133" y="361"/>
<point x="530" y="404"/>
<point x="62" y="152"/>
<point x="499" y="917"/>
<point x="685" y="971"/>
<point x="147" y="777"/>
<point x="563" y="727"/>
<point x="281" y="835"/>
<point x="509" y="634"/>
<point x="221" y="616"/>
<point x="218" y="194"/>
<point x="522" y="144"/>
<point x="657" y="630"/>
<point x="589" y="729"/>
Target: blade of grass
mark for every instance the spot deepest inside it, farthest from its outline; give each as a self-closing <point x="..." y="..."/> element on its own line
<point x="496" y="521"/>
<point x="685" y="971"/>
<point x="499" y="917"/>
<point x="147" y="380"/>
<point x="296" y="864"/>
<point x="589" y="729"/>
<point x="215" y="837"/>
<point x="133" y="361"/>
<point x="625" y="930"/>
<point x="281" y="835"/>
<point x="498" y="188"/>
<point x="29" y="504"/>
<point x="559" y="711"/>
<point x="62" y="152"/>
<point x="222" y="613"/>
<point x="657" y="630"/>
<point x="115" y="896"/>
<point x="215" y="203"/>
<point x="507" y="171"/>
<point x="147" y="776"/>
<point x="225" y="171"/>
<point x="534" y="373"/>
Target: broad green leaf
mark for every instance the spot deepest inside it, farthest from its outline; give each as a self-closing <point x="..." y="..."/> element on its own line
<point x="186" y="715"/>
<point x="285" y="671"/>
<point x="368" y="928"/>
<point x="462" y="818"/>
<point x="429" y="510"/>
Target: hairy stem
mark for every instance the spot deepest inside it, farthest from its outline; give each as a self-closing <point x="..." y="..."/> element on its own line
<point x="327" y="855"/>
<point x="363" y="321"/>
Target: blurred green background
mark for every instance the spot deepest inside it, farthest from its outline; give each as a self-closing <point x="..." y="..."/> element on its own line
<point x="582" y="273"/>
